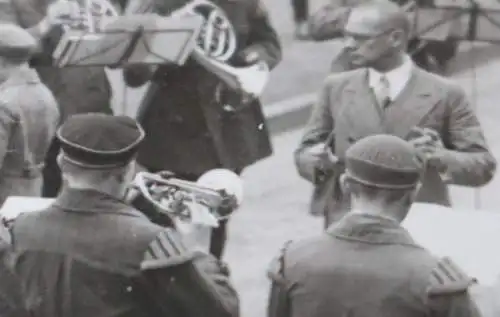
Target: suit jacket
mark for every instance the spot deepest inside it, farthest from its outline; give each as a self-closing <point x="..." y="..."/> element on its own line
<point x="188" y="130"/>
<point x="347" y="108"/>
<point x="344" y="272"/>
<point x="76" y="89"/>
<point x="28" y="120"/>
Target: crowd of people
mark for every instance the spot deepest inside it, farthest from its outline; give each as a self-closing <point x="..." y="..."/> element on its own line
<point x="92" y="253"/>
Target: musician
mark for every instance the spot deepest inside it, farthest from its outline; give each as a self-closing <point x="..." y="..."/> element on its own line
<point x="368" y="264"/>
<point x="91" y="254"/>
<point x="329" y="21"/>
<point x="28" y="116"/>
<point x="193" y="121"/>
<point x="77" y="89"/>
<point x="392" y="95"/>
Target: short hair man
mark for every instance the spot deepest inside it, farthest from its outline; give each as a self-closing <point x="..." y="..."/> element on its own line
<point x="368" y="265"/>
<point x="29" y="116"/>
<point x="391" y="95"/>
<point x="91" y="254"/>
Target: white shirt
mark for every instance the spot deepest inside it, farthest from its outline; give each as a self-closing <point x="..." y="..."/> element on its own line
<point x="398" y="78"/>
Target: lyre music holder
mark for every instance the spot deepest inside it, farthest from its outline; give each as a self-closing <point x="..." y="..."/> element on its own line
<point x="477" y="21"/>
<point x="127" y="40"/>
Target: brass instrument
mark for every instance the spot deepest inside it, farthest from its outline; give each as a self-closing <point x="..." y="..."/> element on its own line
<point x="199" y="202"/>
<point x="216" y="44"/>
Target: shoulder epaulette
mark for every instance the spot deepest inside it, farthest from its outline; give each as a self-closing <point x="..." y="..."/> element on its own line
<point x="276" y="269"/>
<point x="448" y="278"/>
<point x="167" y="249"/>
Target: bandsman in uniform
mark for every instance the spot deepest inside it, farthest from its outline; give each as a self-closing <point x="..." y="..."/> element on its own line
<point x="29" y="116"/>
<point x="193" y="121"/>
<point x="91" y="254"/>
<point x="76" y="89"/>
<point x="368" y="265"/>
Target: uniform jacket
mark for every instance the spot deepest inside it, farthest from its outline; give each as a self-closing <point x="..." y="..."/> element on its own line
<point x="92" y="255"/>
<point x="77" y="89"/>
<point x="28" y="120"/>
<point x="347" y="108"/>
<point x="187" y="129"/>
<point x="366" y="266"/>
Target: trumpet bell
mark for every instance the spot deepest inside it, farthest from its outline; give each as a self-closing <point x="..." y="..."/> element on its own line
<point x="223" y="179"/>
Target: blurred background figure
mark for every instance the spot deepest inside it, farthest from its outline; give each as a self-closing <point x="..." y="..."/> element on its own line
<point x="300" y="9"/>
<point x="76" y="89"/>
<point x="29" y="116"/>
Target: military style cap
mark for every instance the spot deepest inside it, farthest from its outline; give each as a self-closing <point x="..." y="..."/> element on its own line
<point x="16" y="43"/>
<point x="99" y="141"/>
<point x="383" y="161"/>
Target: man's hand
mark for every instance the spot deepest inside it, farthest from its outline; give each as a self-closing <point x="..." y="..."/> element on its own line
<point x="428" y="144"/>
<point x="327" y="161"/>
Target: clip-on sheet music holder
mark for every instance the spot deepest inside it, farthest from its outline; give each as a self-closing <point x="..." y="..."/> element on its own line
<point x="478" y="21"/>
<point x="126" y="40"/>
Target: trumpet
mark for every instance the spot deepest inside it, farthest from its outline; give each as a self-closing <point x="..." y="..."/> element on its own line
<point x="214" y="197"/>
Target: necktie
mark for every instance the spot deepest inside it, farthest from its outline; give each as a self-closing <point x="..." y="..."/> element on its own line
<point x="383" y="92"/>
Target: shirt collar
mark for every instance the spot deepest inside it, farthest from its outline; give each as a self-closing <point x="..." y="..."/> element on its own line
<point x="398" y="77"/>
<point x="371" y="229"/>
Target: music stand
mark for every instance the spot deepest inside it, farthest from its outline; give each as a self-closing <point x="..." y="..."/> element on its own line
<point x="126" y="40"/>
<point x="477" y="21"/>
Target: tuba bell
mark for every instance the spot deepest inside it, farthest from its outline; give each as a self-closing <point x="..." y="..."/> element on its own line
<point x="216" y="45"/>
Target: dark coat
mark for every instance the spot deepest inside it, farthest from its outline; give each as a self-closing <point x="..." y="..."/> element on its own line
<point x="187" y="129"/>
<point x="428" y="101"/>
<point x="366" y="266"/>
<point x="76" y="89"/>
<point x="90" y="254"/>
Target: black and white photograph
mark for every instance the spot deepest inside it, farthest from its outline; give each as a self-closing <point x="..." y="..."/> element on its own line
<point x="249" y="158"/>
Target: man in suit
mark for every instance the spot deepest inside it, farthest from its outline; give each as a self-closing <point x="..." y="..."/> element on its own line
<point x="391" y="95"/>
<point x="368" y="265"/>
<point x="92" y="254"/>
<point x="29" y="116"/>
<point x="76" y="89"/>
<point x="193" y="121"/>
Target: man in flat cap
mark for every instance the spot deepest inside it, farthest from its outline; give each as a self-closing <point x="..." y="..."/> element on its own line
<point x="91" y="254"/>
<point x="368" y="265"/>
<point x="29" y="116"/>
<point x="391" y="95"/>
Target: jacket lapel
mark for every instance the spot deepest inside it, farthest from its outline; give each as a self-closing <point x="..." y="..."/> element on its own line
<point x="360" y="112"/>
<point x="415" y="104"/>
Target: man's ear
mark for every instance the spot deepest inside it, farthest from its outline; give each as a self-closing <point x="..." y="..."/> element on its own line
<point x="344" y="183"/>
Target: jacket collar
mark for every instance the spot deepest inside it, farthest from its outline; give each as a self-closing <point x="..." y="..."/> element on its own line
<point x="90" y="201"/>
<point x="371" y="229"/>
<point x="22" y="76"/>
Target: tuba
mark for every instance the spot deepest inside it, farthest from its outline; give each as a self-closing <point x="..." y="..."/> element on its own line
<point x="216" y="43"/>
